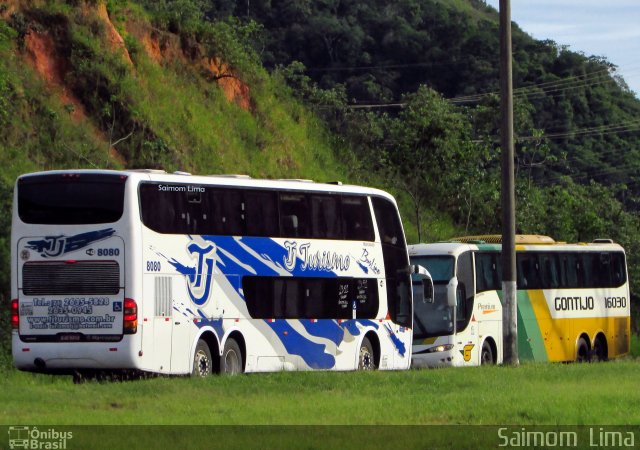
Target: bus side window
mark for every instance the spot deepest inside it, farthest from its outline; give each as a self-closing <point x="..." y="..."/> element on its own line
<point x="356" y="219"/>
<point x="225" y="211"/>
<point x="310" y="298"/>
<point x="281" y="297"/>
<point x="549" y="271"/>
<point x="396" y="261"/>
<point x="604" y="269"/>
<point x="580" y="272"/>
<point x="196" y="213"/>
<point x="365" y="293"/>
<point x="528" y="268"/>
<point x="618" y="273"/>
<point x="232" y="213"/>
<point x="314" y="295"/>
<point x="569" y="271"/>
<point x="294" y="215"/>
<point x="261" y="213"/>
<point x="159" y="210"/>
<point x="325" y="217"/>
<point x="488" y="275"/>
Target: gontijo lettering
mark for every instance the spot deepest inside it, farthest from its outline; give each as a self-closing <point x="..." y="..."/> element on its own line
<point x="573" y="303"/>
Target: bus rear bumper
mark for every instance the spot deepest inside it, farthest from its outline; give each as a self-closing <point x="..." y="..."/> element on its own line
<point x="54" y="357"/>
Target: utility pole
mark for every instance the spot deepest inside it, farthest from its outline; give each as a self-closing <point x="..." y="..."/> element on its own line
<point x="509" y="310"/>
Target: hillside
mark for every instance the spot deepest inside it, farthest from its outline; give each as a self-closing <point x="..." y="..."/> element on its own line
<point x="90" y="84"/>
<point x="277" y="89"/>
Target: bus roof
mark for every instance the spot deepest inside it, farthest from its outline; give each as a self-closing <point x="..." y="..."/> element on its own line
<point x="440" y="248"/>
<point x="455" y="248"/>
<point x="230" y="180"/>
<point x="524" y="239"/>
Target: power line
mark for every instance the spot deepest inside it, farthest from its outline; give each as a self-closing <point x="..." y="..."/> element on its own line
<point x="633" y="125"/>
<point x="592" y="79"/>
<point x="380" y="66"/>
<point x="549" y="89"/>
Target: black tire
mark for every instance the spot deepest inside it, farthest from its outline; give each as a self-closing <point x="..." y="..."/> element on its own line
<point x="600" y="351"/>
<point x="582" y="351"/>
<point x="366" y="358"/>
<point x="486" y="355"/>
<point x="202" y="362"/>
<point x="231" y="359"/>
<point x="79" y="377"/>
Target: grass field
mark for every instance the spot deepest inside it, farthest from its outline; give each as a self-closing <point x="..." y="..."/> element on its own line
<point x="540" y="394"/>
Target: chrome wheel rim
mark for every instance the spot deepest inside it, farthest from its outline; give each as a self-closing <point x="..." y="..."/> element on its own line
<point x="231" y="363"/>
<point x="202" y="363"/>
<point x="365" y="362"/>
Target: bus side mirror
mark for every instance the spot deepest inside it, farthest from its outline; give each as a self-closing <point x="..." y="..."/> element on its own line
<point x="452" y="291"/>
<point x="427" y="289"/>
<point x="427" y="283"/>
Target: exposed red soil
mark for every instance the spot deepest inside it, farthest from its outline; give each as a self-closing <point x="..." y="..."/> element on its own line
<point x="113" y="37"/>
<point x="234" y="89"/>
<point x="42" y="55"/>
<point x="162" y="46"/>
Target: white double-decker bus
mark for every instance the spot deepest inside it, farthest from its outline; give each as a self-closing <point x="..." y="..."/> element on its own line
<point x="178" y="274"/>
<point x="573" y="301"/>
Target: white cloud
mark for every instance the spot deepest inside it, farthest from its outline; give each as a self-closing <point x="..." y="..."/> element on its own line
<point x="593" y="27"/>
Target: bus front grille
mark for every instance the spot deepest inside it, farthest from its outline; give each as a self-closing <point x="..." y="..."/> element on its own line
<point x="71" y="278"/>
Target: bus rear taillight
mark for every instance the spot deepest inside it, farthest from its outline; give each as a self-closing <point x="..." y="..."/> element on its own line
<point x="130" y="316"/>
<point x="15" y="316"/>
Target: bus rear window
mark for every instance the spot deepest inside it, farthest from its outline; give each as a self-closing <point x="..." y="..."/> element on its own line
<point x="71" y="199"/>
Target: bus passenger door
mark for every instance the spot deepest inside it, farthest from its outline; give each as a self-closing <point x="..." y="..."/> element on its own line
<point x="467" y="323"/>
<point x="162" y="323"/>
<point x="172" y="325"/>
<point x="181" y="333"/>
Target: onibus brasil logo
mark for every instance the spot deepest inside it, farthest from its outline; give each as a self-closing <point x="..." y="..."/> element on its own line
<point x="33" y="438"/>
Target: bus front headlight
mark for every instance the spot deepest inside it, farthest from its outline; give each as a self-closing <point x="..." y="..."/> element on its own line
<point x="440" y="348"/>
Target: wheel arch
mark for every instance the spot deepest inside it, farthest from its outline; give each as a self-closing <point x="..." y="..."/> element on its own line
<point x="494" y="347"/>
<point x="584" y="335"/>
<point x="374" y="340"/>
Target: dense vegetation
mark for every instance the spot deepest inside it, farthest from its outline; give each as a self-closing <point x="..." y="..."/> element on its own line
<point x="409" y="86"/>
<point x="398" y="94"/>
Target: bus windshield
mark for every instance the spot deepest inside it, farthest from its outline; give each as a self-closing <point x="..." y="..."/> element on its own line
<point x="433" y="319"/>
<point x="71" y="199"/>
<point x="440" y="267"/>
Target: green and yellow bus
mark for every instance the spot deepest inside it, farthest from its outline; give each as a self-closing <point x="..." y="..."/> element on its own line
<point x="573" y="301"/>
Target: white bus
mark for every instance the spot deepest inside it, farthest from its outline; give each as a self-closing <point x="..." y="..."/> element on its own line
<point x="177" y="274"/>
<point x="573" y="301"/>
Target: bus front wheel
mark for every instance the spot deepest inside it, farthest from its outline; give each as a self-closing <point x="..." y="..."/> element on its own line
<point x="366" y="359"/>
<point x="486" y="356"/>
<point x="202" y="361"/>
<point x="231" y="360"/>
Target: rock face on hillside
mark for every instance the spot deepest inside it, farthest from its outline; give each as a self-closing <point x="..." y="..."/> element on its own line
<point x="47" y="42"/>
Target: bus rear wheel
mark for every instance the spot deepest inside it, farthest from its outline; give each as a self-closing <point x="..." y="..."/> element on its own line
<point x="366" y="359"/>
<point x="600" y="352"/>
<point x="202" y="361"/>
<point x="486" y="355"/>
<point x="231" y="359"/>
<point x="582" y="352"/>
